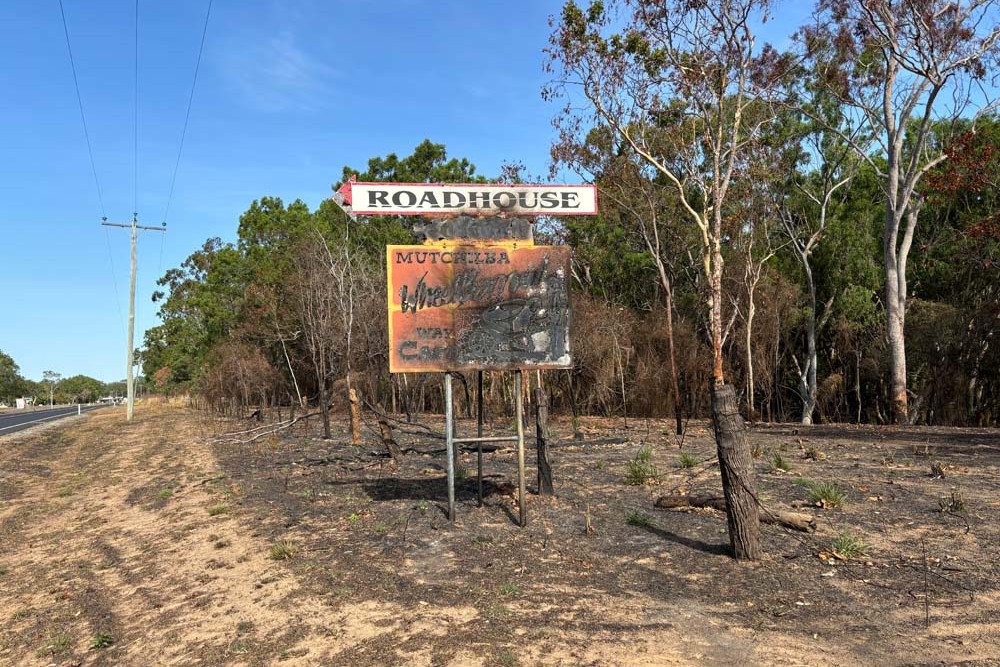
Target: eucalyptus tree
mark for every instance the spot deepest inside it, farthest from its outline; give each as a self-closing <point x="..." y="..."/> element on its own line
<point x="687" y="88"/>
<point x="902" y="67"/>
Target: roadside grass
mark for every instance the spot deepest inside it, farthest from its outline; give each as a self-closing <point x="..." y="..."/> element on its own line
<point x="283" y="550"/>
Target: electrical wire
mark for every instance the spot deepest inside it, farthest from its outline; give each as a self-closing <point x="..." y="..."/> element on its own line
<point x="187" y="114"/>
<point x="93" y="164"/>
<point x="135" y="120"/>
<point x="83" y="117"/>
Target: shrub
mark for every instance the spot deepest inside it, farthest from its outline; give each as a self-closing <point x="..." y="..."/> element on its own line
<point x="778" y="462"/>
<point x="849" y="546"/>
<point x="283" y="550"/>
<point x="641" y="470"/>
<point x="637" y="518"/>
<point x="826" y="494"/>
<point x="687" y="460"/>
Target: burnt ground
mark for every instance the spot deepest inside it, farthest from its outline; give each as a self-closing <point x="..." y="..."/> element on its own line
<point x="170" y="542"/>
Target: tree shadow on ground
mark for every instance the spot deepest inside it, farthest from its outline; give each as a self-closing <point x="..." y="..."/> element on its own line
<point x="691" y="543"/>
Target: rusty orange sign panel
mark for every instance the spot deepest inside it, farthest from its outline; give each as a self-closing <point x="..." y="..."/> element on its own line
<point x="463" y="306"/>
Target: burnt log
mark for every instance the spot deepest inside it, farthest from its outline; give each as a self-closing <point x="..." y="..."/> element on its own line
<point x="805" y="523"/>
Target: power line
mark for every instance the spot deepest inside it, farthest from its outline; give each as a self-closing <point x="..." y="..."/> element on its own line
<point x="83" y="117"/>
<point x="187" y="114"/>
<point x="93" y="164"/>
<point x="135" y="121"/>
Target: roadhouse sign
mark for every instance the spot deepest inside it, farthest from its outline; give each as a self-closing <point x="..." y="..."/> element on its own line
<point x="466" y="306"/>
<point x="468" y="199"/>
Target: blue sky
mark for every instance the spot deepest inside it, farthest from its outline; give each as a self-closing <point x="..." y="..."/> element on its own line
<point x="288" y="93"/>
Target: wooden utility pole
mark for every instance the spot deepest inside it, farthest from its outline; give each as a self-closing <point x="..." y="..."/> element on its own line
<point x="130" y="375"/>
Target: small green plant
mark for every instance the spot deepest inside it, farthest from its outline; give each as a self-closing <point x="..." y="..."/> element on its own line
<point x="3" y="570"/>
<point x="101" y="640"/>
<point x="21" y="614"/>
<point x="803" y="482"/>
<point x="599" y="465"/>
<point x="637" y="518"/>
<point x="423" y="505"/>
<point x="308" y="494"/>
<point x="777" y="462"/>
<point x="283" y="550"/>
<point x="55" y="646"/>
<point x="507" y="659"/>
<point x="380" y="528"/>
<point x="509" y="589"/>
<point x="216" y="510"/>
<point x="461" y="472"/>
<point x="354" y="518"/>
<point x="827" y="495"/>
<point x="64" y="492"/>
<point x="687" y="460"/>
<point x="640" y="470"/>
<point x="849" y="546"/>
<point x="954" y="504"/>
<point x="165" y="493"/>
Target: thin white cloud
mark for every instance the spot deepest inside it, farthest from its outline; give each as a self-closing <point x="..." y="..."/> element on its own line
<point x="276" y="74"/>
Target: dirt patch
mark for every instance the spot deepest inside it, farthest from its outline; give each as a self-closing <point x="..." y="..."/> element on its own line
<point x="142" y="543"/>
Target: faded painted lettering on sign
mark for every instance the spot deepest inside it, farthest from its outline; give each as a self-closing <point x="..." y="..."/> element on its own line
<point x="463" y="306"/>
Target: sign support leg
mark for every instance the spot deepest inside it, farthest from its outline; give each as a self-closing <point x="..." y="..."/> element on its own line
<point x="519" y="408"/>
<point x="449" y="435"/>
<point x="479" y="434"/>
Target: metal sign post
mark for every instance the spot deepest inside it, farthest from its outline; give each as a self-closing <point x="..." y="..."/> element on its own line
<point x="451" y="442"/>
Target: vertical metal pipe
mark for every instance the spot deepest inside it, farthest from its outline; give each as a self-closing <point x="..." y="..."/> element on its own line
<point x="450" y="446"/>
<point x="519" y="407"/>
<point x="479" y="434"/>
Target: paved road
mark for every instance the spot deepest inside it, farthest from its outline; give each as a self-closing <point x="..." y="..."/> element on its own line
<point x="16" y="421"/>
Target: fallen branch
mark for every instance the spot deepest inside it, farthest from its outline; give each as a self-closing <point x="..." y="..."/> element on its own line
<point x="402" y="426"/>
<point x="795" y="520"/>
<point x="280" y="426"/>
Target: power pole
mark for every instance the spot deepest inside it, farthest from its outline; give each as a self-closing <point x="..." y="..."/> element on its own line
<point x="131" y="306"/>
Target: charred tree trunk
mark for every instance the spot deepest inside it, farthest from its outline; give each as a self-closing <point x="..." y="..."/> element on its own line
<point x="355" y="406"/>
<point x="542" y="442"/>
<point x="739" y="480"/>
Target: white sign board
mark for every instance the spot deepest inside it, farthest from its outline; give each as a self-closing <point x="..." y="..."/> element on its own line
<point x="466" y="199"/>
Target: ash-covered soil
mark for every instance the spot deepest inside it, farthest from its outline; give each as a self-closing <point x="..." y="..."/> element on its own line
<point x="177" y="546"/>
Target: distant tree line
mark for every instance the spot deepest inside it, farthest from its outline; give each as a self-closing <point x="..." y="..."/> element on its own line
<point x="52" y="386"/>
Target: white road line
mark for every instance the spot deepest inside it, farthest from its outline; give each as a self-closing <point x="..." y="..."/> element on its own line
<point x="35" y="421"/>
